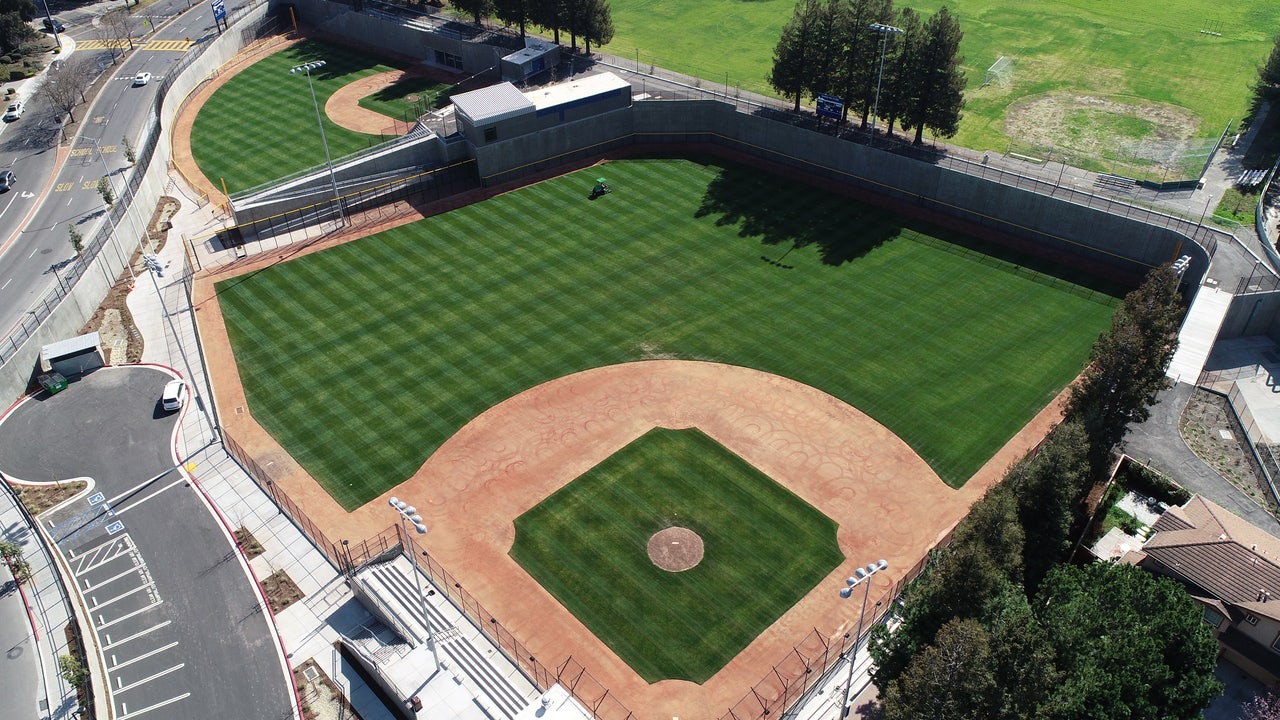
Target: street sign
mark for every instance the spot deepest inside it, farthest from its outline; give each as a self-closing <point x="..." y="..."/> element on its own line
<point x="219" y="10"/>
<point x="830" y="106"/>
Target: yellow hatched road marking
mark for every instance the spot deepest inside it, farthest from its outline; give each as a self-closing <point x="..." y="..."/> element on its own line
<point x="170" y="45"/>
<point x="101" y="44"/>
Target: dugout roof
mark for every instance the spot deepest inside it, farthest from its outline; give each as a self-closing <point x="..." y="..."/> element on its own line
<point x="495" y="103"/>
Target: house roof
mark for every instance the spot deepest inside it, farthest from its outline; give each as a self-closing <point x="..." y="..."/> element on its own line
<point x="489" y="105"/>
<point x="1220" y="553"/>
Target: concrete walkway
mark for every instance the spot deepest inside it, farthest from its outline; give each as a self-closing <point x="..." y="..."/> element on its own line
<point x="1199" y="331"/>
<point x="1158" y="442"/>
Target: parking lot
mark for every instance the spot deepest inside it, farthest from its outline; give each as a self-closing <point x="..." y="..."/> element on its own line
<point x="180" y="625"/>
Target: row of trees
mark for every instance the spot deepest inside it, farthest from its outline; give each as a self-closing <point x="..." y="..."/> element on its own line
<point x="591" y="20"/>
<point x="828" y="47"/>
<point x="1001" y="628"/>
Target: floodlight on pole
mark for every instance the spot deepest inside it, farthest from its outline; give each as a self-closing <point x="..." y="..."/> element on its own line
<point x="408" y="513"/>
<point x="885" y="31"/>
<point x="862" y="576"/>
<point x="333" y="179"/>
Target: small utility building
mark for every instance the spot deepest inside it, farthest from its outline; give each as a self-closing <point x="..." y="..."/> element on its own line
<point x="501" y="112"/>
<point x="73" y="356"/>
<point x="535" y="58"/>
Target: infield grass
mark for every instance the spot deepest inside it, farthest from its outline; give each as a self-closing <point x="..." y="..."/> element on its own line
<point x="1140" y="49"/>
<point x="261" y="125"/>
<point x="393" y="100"/>
<point x="764" y="550"/>
<point x="362" y="359"/>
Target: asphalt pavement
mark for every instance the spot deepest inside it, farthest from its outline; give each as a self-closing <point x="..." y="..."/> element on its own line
<point x="175" y="611"/>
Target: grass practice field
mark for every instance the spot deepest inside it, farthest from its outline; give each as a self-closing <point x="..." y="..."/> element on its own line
<point x="261" y="125"/>
<point x="362" y="359"/>
<point x="764" y="549"/>
<point x="1139" y="50"/>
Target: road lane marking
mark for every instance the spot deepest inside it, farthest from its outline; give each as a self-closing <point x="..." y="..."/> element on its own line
<point x="134" y="636"/>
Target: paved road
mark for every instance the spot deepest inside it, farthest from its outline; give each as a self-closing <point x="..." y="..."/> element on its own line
<point x="30" y="259"/>
<point x="176" y="615"/>
<point x="19" y="672"/>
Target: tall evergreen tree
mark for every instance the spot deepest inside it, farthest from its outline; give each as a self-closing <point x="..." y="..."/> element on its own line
<point x="1127" y="365"/>
<point x="860" y="50"/>
<point x="899" y="84"/>
<point x="597" y="24"/>
<point x="793" y="55"/>
<point x="1050" y="487"/>
<point x="477" y="9"/>
<point x="951" y="679"/>
<point x="937" y="93"/>
<point x="1269" y="75"/>
<point x="514" y="12"/>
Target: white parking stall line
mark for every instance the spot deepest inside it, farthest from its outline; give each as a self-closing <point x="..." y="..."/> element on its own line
<point x="134" y="636"/>
<point x="137" y="487"/>
<point x="131" y="571"/>
<point x="126" y="617"/>
<point x="136" y="713"/>
<point x="146" y="680"/>
<point x="122" y="596"/>
<point x="116" y="665"/>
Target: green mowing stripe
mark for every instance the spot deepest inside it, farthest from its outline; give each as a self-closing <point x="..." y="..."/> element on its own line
<point x="587" y="545"/>
<point x="261" y="124"/>
<point x="396" y="341"/>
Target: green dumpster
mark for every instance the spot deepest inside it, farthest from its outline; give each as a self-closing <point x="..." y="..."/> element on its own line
<point x="53" y="382"/>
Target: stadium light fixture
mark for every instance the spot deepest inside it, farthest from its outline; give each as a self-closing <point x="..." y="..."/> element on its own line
<point x="885" y="31"/>
<point x="862" y="576"/>
<point x="333" y="179"/>
<point x="408" y="513"/>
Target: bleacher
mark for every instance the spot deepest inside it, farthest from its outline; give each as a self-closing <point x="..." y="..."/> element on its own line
<point x="1107" y="181"/>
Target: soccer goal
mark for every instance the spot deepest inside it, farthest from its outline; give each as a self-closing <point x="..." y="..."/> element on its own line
<point x="1000" y="72"/>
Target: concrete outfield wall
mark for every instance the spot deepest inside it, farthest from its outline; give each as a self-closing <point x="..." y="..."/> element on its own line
<point x="76" y="309"/>
<point x="374" y="31"/>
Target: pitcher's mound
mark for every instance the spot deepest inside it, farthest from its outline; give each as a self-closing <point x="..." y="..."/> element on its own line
<point x="675" y="549"/>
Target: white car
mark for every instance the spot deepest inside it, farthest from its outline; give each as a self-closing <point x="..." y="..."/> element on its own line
<point x="174" y="396"/>
<point x="16" y="108"/>
<point x="141" y="79"/>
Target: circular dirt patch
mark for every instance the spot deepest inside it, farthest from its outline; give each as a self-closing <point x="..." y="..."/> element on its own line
<point x="1094" y="124"/>
<point x="675" y="549"/>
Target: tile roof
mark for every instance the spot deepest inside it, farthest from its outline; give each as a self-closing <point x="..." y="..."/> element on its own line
<point x="1220" y="553"/>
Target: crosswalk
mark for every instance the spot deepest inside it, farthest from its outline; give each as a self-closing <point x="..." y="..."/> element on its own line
<point x="122" y="44"/>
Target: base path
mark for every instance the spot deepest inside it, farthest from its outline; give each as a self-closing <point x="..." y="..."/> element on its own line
<point x="343" y="107"/>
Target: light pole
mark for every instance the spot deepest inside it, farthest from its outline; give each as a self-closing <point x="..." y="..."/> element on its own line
<point x="862" y="576"/>
<point x="333" y="179"/>
<point x="1062" y="169"/>
<point x="885" y="31"/>
<point x="1207" y="201"/>
<point x="406" y="512"/>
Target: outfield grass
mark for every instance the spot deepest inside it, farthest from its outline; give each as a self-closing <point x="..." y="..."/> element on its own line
<point x="1140" y="49"/>
<point x="261" y="125"/>
<point x="393" y="102"/>
<point x="362" y="359"/>
<point x="764" y="550"/>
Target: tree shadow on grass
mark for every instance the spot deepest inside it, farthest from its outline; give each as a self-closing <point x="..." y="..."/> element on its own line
<point x="754" y="202"/>
<point x="781" y="211"/>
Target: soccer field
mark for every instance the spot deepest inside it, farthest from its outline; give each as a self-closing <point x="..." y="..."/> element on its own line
<point x="1142" y="50"/>
<point x="362" y="359"/>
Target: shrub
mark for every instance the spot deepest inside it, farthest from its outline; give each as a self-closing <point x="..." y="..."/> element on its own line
<point x="17" y="74"/>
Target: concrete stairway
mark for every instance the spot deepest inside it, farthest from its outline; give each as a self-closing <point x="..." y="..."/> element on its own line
<point x="1199" y="331"/>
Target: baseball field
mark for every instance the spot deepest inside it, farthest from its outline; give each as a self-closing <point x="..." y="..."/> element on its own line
<point x="363" y="359"/>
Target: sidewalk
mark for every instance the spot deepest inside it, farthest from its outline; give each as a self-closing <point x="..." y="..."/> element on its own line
<point x="49" y="609"/>
<point x="309" y="628"/>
